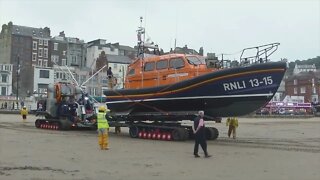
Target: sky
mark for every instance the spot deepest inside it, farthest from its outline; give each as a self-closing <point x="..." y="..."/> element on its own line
<point x="219" y="26"/>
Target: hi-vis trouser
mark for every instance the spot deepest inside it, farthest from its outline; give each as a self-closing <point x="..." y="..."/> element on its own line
<point x="103" y="138"/>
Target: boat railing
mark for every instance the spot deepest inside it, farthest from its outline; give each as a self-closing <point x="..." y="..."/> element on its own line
<point x="261" y="54"/>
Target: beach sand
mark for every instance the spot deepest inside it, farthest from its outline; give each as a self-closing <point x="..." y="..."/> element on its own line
<point x="265" y="149"/>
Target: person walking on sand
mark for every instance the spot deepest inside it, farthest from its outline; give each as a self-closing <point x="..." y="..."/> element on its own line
<point x="232" y="122"/>
<point x="103" y="128"/>
<point x="24" y="113"/>
<point x="200" y="136"/>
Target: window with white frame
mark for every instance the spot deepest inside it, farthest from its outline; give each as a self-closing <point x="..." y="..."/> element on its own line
<point x="295" y="90"/>
<point x="295" y="82"/>
<point x="45" y="63"/>
<point x="74" y="59"/>
<point x="115" y="65"/>
<point x="40" y="52"/>
<point x="3" y="91"/>
<point x="4" y="78"/>
<point x="45" y="42"/>
<point x="64" y="53"/>
<point x="63" y="62"/>
<point x="34" y="56"/>
<point x="40" y="62"/>
<point x="93" y="91"/>
<point x="40" y="42"/>
<point x="314" y="90"/>
<point x="55" y="46"/>
<point x="34" y="45"/>
<point x="45" y="52"/>
<point x="303" y="90"/>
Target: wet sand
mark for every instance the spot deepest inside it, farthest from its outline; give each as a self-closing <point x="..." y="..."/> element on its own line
<point x="265" y="149"/>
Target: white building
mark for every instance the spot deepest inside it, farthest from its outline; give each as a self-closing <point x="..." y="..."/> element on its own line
<point x="5" y="79"/>
<point x="304" y="68"/>
<point x="62" y="74"/>
<point x="42" y="78"/>
<point x="94" y="49"/>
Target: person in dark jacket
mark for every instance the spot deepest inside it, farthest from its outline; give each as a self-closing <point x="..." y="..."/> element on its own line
<point x="199" y="135"/>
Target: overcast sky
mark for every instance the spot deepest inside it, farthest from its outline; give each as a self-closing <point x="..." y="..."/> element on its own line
<point x="220" y="26"/>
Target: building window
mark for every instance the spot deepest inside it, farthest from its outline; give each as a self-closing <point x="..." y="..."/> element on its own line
<point x="34" y="56"/>
<point x="55" y="46"/>
<point x="74" y="59"/>
<point x="54" y="58"/>
<point x="295" y="82"/>
<point x="314" y="90"/>
<point x="4" y="78"/>
<point x="302" y="90"/>
<point x="44" y="74"/>
<point x="34" y="45"/>
<point x="45" y="52"/>
<point x="64" y="53"/>
<point x="104" y="80"/>
<point x="63" y="62"/>
<point x="42" y="88"/>
<point x="45" y="63"/>
<point x="3" y="91"/>
<point x="94" y="91"/>
<point x="40" y="42"/>
<point x="40" y="62"/>
<point x="45" y="42"/>
<point x="40" y="52"/>
<point x="295" y="90"/>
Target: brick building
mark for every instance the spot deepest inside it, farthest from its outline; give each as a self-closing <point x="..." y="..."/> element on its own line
<point x="305" y="84"/>
<point x="24" y="48"/>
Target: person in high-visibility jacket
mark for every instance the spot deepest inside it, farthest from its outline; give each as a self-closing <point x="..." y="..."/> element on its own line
<point x="232" y="122"/>
<point x="24" y="113"/>
<point x="103" y="128"/>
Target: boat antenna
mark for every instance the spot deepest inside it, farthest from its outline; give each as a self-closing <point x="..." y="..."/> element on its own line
<point x="140" y="54"/>
<point x="140" y="32"/>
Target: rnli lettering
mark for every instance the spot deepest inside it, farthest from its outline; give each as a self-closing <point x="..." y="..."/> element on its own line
<point x="234" y="85"/>
<point x="251" y="83"/>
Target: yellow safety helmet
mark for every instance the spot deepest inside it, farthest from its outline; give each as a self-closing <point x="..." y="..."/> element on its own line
<point x="102" y="109"/>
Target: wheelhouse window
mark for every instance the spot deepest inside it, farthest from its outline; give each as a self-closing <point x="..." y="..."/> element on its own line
<point x="149" y="66"/>
<point x="131" y="72"/>
<point x="195" y="60"/>
<point x="176" y="63"/>
<point x="163" y="64"/>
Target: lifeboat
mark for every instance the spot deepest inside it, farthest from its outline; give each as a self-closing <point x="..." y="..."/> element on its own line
<point x="178" y="85"/>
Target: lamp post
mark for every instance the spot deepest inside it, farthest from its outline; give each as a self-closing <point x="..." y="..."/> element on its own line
<point x="18" y="73"/>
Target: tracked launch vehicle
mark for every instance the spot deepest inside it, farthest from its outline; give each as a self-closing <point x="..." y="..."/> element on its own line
<point x="66" y="107"/>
